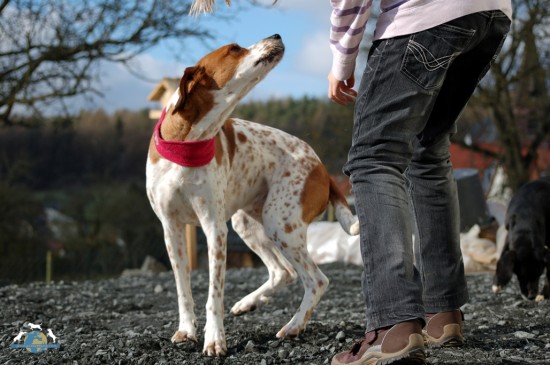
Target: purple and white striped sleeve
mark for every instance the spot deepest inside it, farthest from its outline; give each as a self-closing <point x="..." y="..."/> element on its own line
<point x="348" y="21"/>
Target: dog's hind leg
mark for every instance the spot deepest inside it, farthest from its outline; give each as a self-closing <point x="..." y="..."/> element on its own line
<point x="281" y="273"/>
<point x="314" y="281"/>
<point x="174" y="238"/>
<point x="291" y="239"/>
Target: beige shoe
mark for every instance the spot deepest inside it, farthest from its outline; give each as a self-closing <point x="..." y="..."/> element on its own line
<point x="399" y="344"/>
<point x="444" y="329"/>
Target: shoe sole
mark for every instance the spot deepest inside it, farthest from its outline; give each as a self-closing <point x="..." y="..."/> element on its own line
<point x="451" y="337"/>
<point x="412" y="354"/>
<point x="413" y="357"/>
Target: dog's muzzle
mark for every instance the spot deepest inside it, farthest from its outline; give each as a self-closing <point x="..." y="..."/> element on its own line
<point x="275" y="50"/>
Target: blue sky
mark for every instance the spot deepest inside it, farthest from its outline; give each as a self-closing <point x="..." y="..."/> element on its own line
<point x="303" y="25"/>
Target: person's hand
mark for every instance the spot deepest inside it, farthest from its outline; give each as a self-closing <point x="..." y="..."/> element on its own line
<point x="341" y="92"/>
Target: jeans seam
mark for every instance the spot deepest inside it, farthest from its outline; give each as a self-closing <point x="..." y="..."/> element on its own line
<point x="410" y="192"/>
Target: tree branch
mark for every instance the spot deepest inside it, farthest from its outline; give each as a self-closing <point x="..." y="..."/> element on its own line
<point x="55" y="40"/>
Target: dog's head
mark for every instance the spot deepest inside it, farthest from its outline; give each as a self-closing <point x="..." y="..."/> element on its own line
<point x="210" y="90"/>
<point x="524" y="254"/>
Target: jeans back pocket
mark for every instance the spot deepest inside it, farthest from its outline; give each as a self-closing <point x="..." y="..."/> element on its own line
<point x="430" y="53"/>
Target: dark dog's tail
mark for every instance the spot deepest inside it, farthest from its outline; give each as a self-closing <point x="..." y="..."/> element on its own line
<point x="342" y="211"/>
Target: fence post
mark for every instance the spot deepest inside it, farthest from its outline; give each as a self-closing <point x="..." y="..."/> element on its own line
<point x="48" y="266"/>
<point x="191" y="240"/>
<point x="330" y="213"/>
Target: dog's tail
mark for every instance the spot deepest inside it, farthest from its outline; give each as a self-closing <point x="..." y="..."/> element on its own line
<point x="342" y="212"/>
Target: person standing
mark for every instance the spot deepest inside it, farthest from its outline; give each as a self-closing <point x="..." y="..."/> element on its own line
<point x="426" y="60"/>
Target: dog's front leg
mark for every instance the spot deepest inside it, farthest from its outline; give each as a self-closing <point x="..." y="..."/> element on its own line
<point x="176" y="245"/>
<point x="214" y="334"/>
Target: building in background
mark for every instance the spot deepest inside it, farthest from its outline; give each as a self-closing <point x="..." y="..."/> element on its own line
<point x="162" y="93"/>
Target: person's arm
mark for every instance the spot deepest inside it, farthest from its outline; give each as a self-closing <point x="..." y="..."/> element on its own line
<point x="348" y="20"/>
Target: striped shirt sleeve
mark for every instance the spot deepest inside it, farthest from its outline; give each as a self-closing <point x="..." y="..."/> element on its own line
<point x="348" y="21"/>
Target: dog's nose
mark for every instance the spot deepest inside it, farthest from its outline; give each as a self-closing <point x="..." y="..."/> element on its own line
<point x="275" y="36"/>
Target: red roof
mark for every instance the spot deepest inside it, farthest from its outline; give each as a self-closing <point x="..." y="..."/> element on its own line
<point x="462" y="157"/>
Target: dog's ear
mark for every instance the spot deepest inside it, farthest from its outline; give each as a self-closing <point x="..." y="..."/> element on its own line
<point x="189" y="80"/>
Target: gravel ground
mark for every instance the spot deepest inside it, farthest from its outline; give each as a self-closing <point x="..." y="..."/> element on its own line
<point x="130" y="320"/>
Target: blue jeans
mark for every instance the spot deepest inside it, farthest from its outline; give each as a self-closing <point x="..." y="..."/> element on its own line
<point x="412" y="91"/>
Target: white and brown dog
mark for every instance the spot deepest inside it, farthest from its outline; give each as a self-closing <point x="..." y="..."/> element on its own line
<point x="271" y="185"/>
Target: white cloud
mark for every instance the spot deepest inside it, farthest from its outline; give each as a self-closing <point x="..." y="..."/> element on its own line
<point x="315" y="57"/>
<point x="319" y="9"/>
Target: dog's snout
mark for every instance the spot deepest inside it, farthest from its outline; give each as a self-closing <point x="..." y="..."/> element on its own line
<point x="275" y="36"/>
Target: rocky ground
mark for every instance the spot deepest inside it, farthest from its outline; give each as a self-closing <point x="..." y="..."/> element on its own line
<point x="130" y="320"/>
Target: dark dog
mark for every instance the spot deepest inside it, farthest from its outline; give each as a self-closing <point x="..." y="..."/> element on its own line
<point x="526" y="251"/>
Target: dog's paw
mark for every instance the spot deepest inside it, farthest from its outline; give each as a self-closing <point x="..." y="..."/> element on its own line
<point x="248" y="304"/>
<point x="240" y="308"/>
<point x="214" y="339"/>
<point x="496" y="289"/>
<point x="539" y="298"/>
<point x="182" y="336"/>
<point x="215" y="348"/>
<point x="289" y="331"/>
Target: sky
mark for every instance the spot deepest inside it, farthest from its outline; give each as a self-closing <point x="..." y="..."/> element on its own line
<point x="303" y="25"/>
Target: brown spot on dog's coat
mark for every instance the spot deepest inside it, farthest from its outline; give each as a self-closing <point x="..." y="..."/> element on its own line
<point x="219" y="149"/>
<point x="315" y="194"/>
<point x="220" y="256"/>
<point x="308" y="315"/>
<point x="229" y="132"/>
<point x="242" y="137"/>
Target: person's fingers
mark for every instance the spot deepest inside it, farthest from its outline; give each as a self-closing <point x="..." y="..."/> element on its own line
<point x="347" y="94"/>
<point x="341" y="92"/>
<point x="342" y="97"/>
<point x="349" y="91"/>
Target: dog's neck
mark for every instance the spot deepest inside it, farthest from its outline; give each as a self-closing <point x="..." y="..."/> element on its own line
<point x="211" y="123"/>
<point x="183" y="126"/>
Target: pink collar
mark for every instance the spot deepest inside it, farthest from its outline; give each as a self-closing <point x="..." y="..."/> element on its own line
<point x="186" y="153"/>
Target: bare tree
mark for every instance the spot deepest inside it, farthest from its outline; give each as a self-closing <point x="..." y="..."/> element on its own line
<point x="515" y="93"/>
<point x="50" y="50"/>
